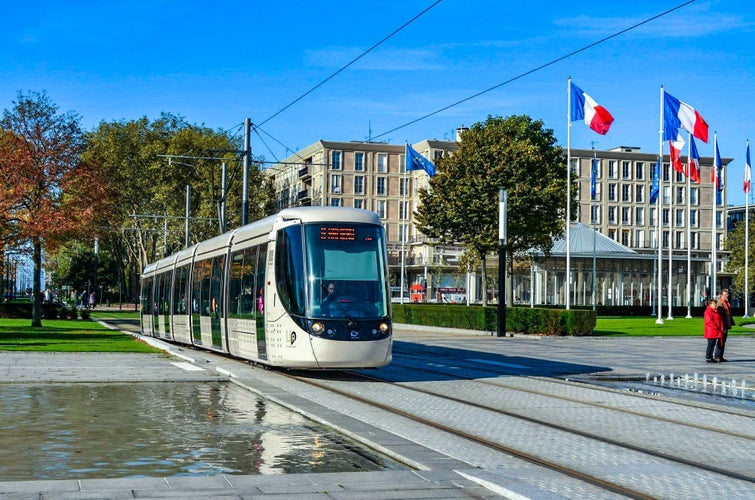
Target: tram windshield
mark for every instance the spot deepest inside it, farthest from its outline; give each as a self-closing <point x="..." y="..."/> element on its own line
<point x="346" y="271"/>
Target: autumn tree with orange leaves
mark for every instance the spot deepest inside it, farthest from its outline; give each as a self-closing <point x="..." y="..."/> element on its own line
<point x="48" y="194"/>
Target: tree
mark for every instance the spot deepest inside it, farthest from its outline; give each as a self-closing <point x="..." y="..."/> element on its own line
<point x="514" y="153"/>
<point x="735" y="243"/>
<point x="50" y="193"/>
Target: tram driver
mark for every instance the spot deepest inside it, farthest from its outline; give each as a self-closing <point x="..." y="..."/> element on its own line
<point x="329" y="298"/>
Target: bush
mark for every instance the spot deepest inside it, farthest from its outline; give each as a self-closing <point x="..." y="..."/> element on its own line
<point x="541" y="321"/>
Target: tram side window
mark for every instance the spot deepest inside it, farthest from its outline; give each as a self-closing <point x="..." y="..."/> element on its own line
<point x="259" y="287"/>
<point x="147" y="295"/>
<point x="180" y="282"/>
<point x="241" y="286"/>
<point x="289" y="269"/>
<point x="215" y="298"/>
<point x="161" y="293"/>
<point x="200" y="291"/>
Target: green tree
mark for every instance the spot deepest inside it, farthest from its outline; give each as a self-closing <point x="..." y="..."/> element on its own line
<point x="515" y="153"/>
<point x="136" y="156"/>
<point x="735" y="243"/>
<point x="51" y="194"/>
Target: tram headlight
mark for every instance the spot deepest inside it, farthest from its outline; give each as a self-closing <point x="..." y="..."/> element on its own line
<point x="383" y="327"/>
<point x="317" y="327"/>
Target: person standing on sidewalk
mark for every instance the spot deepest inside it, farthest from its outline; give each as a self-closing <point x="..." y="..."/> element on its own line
<point x="724" y="310"/>
<point x="714" y="329"/>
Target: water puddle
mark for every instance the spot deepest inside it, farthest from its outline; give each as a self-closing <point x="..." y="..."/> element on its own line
<point x="81" y="431"/>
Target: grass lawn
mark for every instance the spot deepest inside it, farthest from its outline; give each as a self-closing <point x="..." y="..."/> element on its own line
<point x="62" y="335"/>
<point x="645" y="326"/>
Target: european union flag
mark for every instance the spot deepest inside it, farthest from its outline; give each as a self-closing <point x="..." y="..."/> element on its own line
<point x="415" y="161"/>
<point x="593" y="178"/>
<point x="655" y="186"/>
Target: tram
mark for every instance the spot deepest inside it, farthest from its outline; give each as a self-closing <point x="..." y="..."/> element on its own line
<point x="305" y="288"/>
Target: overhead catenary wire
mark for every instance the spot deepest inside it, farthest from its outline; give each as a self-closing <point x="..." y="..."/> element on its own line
<point x="342" y="68"/>
<point x="538" y="68"/>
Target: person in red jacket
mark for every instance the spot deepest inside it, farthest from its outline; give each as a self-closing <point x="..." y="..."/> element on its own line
<point x="714" y="329"/>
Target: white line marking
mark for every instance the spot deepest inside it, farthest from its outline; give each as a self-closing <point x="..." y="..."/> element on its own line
<point x="187" y="366"/>
<point x="498" y="363"/>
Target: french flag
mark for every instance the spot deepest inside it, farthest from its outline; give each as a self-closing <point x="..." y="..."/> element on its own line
<point x="694" y="162"/>
<point x="678" y="114"/>
<point x="675" y="152"/>
<point x="584" y="107"/>
<point x="747" y="169"/>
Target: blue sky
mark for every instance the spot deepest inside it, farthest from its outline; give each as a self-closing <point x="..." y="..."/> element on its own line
<point x="216" y="63"/>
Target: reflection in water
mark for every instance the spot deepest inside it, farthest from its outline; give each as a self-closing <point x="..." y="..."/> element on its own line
<point x="166" y="429"/>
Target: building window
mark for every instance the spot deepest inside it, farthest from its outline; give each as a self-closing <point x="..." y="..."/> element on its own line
<point x="639" y="170"/>
<point x="358" y="203"/>
<point x="639" y="216"/>
<point x="335" y="160"/>
<point x="380" y="208"/>
<point x="639" y="238"/>
<point x="382" y="163"/>
<point x="612" y="192"/>
<point x="666" y="217"/>
<point x="626" y="192"/>
<point x="612" y="215"/>
<point x="359" y="184"/>
<point x="626" y="215"/>
<point x="403" y="188"/>
<point x="625" y="237"/>
<point x="665" y="239"/>
<point x="335" y="183"/>
<point x="380" y="186"/>
<point x="679" y="237"/>
<point x="639" y="194"/>
<point x="680" y="218"/>
<point x="694" y="241"/>
<point x="679" y="195"/>
<point x="626" y="170"/>
<point x="612" y="234"/>
<point x="403" y="210"/>
<point x="719" y="218"/>
<point x="613" y="170"/>
<point x="694" y="194"/>
<point x="335" y="202"/>
<point x="679" y="176"/>
<point x="359" y="161"/>
<point x="666" y="195"/>
<point x="666" y="169"/>
<point x="595" y="214"/>
<point x="693" y="218"/>
<point x="652" y="216"/>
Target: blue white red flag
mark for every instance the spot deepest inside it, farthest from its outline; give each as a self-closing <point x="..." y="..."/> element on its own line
<point x="584" y="107"/>
<point x="415" y="161"/>
<point x="693" y="165"/>
<point x="678" y="114"/>
<point x="675" y="152"/>
<point x="747" y="169"/>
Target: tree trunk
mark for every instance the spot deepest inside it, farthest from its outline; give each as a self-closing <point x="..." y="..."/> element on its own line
<point x="484" y="273"/>
<point x="36" y="302"/>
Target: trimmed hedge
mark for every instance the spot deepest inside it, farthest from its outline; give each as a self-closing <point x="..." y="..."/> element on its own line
<point x="22" y="310"/>
<point x="542" y="321"/>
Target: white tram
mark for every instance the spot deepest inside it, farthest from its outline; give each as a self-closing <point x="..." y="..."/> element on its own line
<point x="261" y="292"/>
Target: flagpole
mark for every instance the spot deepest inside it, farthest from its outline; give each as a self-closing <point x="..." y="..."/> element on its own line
<point x="568" y="191"/>
<point x="713" y="249"/>
<point x="747" y="231"/>
<point x="671" y="218"/>
<point x="402" y="225"/>
<point x="594" y="232"/>
<point x="659" y="320"/>
<point x="689" y="224"/>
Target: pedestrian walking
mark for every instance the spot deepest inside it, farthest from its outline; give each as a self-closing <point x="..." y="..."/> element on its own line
<point x="713" y="329"/>
<point x="724" y="310"/>
<point x="92" y="300"/>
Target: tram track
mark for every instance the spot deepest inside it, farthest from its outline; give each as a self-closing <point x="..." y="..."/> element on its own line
<point x="552" y="464"/>
<point x="596" y="389"/>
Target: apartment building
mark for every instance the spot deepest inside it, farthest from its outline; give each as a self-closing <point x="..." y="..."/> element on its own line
<point x="372" y="176"/>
